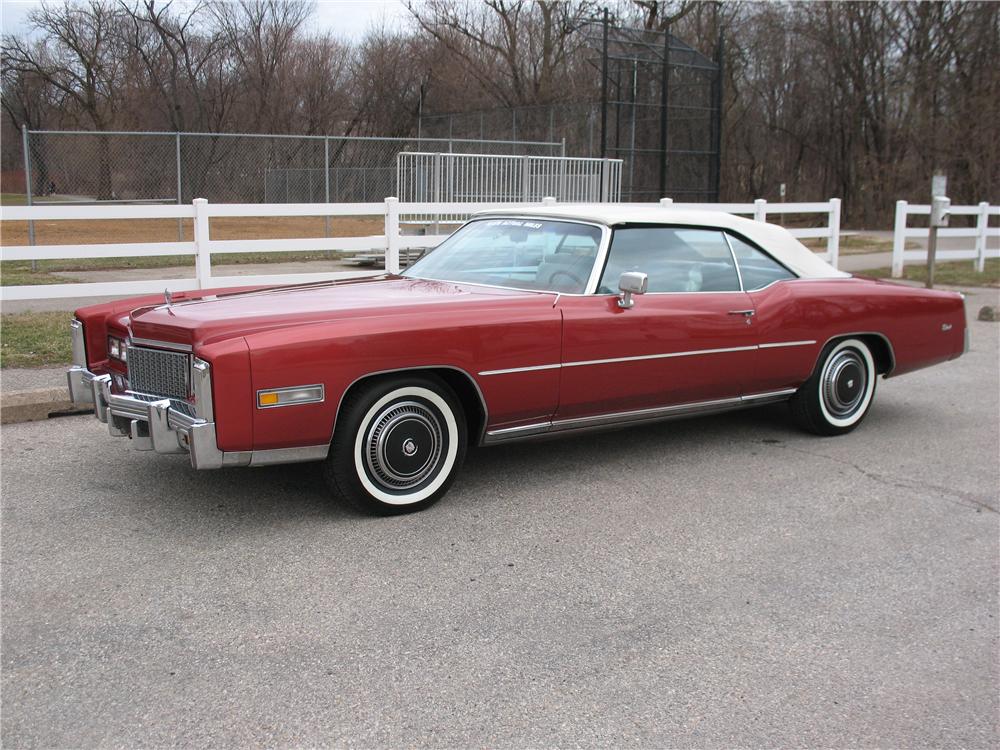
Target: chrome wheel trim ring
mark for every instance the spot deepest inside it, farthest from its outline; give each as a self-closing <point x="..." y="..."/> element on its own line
<point x="443" y="471"/>
<point x="844" y="383"/>
<point x="866" y="365"/>
<point x="390" y="459"/>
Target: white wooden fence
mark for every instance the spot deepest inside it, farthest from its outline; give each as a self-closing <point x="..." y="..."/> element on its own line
<point x="977" y="249"/>
<point x="202" y="246"/>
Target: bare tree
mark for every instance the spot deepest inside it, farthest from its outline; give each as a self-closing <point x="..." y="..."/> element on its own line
<point x="516" y="50"/>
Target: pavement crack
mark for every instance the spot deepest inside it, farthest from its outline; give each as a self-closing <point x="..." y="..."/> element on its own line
<point x="957" y="497"/>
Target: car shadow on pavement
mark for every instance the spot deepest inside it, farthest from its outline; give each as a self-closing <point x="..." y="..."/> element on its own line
<point x="260" y="496"/>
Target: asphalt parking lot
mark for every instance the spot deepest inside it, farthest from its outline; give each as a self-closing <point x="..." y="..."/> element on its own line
<point x="715" y="582"/>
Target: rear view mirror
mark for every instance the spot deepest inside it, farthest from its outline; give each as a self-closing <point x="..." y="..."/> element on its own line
<point x="631" y="282"/>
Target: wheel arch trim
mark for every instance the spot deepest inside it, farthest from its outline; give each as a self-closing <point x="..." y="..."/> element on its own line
<point x="861" y="334"/>
<point x="417" y="369"/>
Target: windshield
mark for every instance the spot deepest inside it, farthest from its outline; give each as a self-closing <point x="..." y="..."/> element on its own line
<point x="553" y="256"/>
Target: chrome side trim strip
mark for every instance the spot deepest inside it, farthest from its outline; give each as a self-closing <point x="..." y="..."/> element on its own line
<point x="288" y="455"/>
<point x="160" y="344"/>
<point x="770" y="395"/>
<point x="778" y="344"/>
<point x="520" y="369"/>
<point x="667" y="355"/>
<point x="655" y="414"/>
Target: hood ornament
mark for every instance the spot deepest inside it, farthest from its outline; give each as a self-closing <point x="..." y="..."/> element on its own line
<point x="168" y="297"/>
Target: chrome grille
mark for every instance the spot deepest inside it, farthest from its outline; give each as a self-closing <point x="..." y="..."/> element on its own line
<point x="158" y="372"/>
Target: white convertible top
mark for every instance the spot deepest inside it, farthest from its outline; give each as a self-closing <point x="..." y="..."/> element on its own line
<point x="776" y="240"/>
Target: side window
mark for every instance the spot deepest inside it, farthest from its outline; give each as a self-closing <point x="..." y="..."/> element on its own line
<point x="675" y="259"/>
<point x="758" y="269"/>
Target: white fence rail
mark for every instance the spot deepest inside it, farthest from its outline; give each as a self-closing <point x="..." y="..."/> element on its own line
<point x="760" y="209"/>
<point x="202" y="246"/>
<point x="977" y="249"/>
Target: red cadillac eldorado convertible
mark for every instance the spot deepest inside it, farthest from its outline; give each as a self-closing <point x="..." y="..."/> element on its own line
<point x="523" y="323"/>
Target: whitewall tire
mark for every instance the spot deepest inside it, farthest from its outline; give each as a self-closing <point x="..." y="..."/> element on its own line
<point x="398" y="444"/>
<point x="838" y="395"/>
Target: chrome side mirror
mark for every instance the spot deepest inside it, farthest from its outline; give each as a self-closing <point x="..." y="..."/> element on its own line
<point x="631" y="282"/>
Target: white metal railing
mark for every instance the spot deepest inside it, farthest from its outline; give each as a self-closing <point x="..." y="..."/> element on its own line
<point x="492" y="178"/>
<point x="979" y="233"/>
<point x="760" y="209"/>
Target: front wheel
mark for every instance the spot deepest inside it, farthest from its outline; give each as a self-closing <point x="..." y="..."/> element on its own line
<point x="839" y="393"/>
<point x="397" y="445"/>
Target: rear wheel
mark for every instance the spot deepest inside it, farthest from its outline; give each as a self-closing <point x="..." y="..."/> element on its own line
<point x="839" y="393"/>
<point x="398" y="444"/>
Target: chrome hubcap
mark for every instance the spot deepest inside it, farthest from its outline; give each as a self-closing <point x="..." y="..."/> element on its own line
<point x="403" y="445"/>
<point x="845" y="381"/>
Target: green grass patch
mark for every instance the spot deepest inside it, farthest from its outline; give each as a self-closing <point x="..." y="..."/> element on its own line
<point x="35" y="339"/>
<point x="25" y="276"/>
<point x="13" y="199"/>
<point x="952" y="273"/>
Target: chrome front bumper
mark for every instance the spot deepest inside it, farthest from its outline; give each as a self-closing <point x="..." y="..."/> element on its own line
<point x="154" y="424"/>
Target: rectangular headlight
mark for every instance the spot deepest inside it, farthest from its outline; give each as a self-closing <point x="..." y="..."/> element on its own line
<point x="303" y="394"/>
<point x="117" y="348"/>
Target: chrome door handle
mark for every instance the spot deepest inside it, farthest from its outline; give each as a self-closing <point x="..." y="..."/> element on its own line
<point x="747" y="313"/>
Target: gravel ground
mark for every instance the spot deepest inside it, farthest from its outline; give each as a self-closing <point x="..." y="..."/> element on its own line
<point x="717" y="582"/>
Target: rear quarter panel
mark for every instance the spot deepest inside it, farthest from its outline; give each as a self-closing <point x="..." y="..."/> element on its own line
<point x="923" y="327"/>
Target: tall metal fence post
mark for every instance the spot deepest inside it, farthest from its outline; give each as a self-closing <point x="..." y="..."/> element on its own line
<point x="177" y="160"/>
<point x="392" y="235"/>
<point x="833" y="241"/>
<point x="899" y="240"/>
<point x="525" y="178"/>
<point x="760" y="210"/>
<point x="27" y="188"/>
<point x="982" y="224"/>
<point x="326" y="180"/>
<point x="202" y="244"/>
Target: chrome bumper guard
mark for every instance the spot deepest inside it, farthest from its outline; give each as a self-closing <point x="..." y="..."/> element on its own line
<point x="153" y="423"/>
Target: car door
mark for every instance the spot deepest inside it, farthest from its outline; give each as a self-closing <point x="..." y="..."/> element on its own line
<point x="689" y="339"/>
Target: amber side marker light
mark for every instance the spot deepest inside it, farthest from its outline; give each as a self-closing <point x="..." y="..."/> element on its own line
<point x="303" y="394"/>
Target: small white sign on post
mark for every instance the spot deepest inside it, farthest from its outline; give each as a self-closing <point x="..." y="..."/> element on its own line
<point x="939" y="185"/>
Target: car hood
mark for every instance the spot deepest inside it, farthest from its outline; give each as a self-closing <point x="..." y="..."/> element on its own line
<point x="216" y="317"/>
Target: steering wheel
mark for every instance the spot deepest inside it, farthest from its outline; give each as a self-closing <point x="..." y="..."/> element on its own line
<point x="577" y="282"/>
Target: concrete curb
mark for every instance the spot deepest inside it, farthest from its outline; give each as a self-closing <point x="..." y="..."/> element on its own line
<point x="35" y="404"/>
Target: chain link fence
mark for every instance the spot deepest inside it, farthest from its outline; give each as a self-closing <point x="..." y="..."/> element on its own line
<point x="87" y="166"/>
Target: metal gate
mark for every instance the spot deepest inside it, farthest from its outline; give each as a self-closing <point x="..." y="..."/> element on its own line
<point x="486" y="178"/>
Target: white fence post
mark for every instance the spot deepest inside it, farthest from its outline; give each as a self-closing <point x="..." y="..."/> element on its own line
<point x="666" y="202"/>
<point x="981" y="226"/>
<point x="899" y="240"/>
<point x="202" y="244"/>
<point x="392" y="235"/>
<point x="760" y="210"/>
<point x="833" y="241"/>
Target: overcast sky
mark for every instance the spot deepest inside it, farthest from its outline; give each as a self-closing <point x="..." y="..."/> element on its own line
<point x="345" y="18"/>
